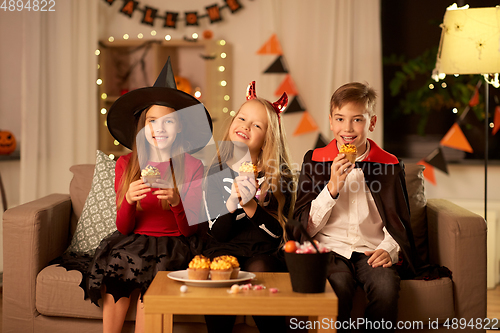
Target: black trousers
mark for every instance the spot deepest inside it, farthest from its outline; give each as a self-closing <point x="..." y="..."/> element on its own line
<point x="380" y="284"/>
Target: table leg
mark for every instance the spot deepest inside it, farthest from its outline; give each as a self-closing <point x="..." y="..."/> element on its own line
<point x="154" y="323"/>
<point x="168" y="323"/>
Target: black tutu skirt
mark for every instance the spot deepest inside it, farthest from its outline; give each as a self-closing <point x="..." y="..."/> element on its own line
<point x="124" y="263"/>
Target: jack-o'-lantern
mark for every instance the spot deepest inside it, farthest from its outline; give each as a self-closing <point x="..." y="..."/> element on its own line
<point x="183" y="84"/>
<point x="7" y="142"/>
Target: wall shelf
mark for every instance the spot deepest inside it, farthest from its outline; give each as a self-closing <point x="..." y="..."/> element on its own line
<point x="129" y="65"/>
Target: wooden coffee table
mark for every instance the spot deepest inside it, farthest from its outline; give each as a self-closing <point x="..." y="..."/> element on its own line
<point x="164" y="299"/>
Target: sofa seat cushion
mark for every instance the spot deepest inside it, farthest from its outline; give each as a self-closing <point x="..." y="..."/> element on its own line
<point x="58" y="293"/>
<point x="420" y="300"/>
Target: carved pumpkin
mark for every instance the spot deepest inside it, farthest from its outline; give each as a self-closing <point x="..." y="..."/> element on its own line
<point x="183" y="84"/>
<point x="7" y="142"/>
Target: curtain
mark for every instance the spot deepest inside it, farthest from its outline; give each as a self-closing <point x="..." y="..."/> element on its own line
<point x="58" y="96"/>
<point x="326" y="43"/>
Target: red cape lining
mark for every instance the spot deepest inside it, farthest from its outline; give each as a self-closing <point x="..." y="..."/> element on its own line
<point x="376" y="154"/>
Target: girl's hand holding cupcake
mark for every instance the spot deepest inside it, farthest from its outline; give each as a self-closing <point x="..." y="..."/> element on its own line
<point x="242" y="192"/>
<point x="169" y="194"/>
<point x="136" y="191"/>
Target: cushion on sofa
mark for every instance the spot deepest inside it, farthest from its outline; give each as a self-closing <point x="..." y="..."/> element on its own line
<point x="98" y="218"/>
<point x="416" y="196"/>
<point x="79" y="189"/>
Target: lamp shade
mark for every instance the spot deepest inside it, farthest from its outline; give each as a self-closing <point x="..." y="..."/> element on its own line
<point x="470" y="41"/>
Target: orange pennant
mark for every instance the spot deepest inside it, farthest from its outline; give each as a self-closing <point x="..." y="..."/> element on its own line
<point x="272" y="46"/>
<point x="287" y="86"/>
<point x="428" y="172"/>
<point x="475" y="98"/>
<point x="496" y="120"/>
<point x="306" y="125"/>
<point x="456" y="139"/>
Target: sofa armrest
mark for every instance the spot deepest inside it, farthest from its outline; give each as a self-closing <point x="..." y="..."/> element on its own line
<point x="457" y="240"/>
<point x="33" y="234"/>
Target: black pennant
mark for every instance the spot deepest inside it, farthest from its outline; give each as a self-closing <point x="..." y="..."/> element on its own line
<point x="170" y="20"/>
<point x="129" y="7"/>
<point x="295" y="106"/>
<point x="191" y="18"/>
<point x="213" y="13"/>
<point x="233" y="5"/>
<point x="320" y="142"/>
<point x="149" y="15"/>
<point x="437" y="160"/>
<point x="277" y="66"/>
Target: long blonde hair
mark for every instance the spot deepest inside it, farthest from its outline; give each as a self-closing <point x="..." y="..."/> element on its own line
<point x="273" y="161"/>
<point x="133" y="170"/>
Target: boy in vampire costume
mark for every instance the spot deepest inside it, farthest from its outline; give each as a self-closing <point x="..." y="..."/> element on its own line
<point x="359" y="210"/>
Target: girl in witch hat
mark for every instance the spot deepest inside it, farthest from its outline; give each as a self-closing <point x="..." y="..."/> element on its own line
<point x="156" y="217"/>
<point x="247" y="213"/>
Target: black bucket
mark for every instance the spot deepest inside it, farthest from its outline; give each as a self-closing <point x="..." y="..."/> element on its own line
<point x="308" y="271"/>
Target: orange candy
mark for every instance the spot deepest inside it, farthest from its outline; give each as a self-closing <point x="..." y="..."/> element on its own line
<point x="290" y="246"/>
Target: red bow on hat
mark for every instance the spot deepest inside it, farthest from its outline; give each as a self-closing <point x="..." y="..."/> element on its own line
<point x="278" y="106"/>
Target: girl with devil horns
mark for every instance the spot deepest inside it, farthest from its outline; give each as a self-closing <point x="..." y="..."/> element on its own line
<point x="246" y="212"/>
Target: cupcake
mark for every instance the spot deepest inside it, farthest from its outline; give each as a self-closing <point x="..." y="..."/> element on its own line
<point x="350" y="152"/>
<point x="234" y="263"/>
<point x="248" y="169"/>
<point x="199" y="268"/>
<point x="220" y="269"/>
<point x="150" y="174"/>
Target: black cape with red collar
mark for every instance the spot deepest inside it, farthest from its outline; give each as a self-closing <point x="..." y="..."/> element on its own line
<point x="385" y="178"/>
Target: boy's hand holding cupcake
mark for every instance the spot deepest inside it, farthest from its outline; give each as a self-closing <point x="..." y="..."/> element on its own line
<point x="342" y="165"/>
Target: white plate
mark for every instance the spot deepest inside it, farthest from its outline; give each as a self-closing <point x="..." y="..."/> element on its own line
<point x="182" y="276"/>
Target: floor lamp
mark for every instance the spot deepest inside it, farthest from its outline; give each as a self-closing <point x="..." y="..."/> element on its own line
<point x="470" y="44"/>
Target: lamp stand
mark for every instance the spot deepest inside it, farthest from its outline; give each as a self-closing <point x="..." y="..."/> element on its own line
<point x="486" y="137"/>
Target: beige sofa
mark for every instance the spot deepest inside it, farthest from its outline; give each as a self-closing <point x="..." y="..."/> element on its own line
<point x="41" y="298"/>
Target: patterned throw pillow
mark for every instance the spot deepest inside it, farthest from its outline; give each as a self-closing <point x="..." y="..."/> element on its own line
<point x="98" y="217"/>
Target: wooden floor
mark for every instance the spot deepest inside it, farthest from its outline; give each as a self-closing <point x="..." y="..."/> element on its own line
<point x="493" y="307"/>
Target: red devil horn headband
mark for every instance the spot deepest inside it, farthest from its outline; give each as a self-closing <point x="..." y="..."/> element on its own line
<point x="278" y="106"/>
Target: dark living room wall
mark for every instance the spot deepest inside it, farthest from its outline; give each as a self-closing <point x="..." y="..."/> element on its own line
<point x="410" y="28"/>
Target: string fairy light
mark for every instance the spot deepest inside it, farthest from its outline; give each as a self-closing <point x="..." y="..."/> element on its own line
<point x="220" y="66"/>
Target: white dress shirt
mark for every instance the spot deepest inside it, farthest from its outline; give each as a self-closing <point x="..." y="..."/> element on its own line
<point x="351" y="222"/>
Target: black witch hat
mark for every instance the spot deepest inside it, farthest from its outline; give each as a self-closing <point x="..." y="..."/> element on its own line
<point x="124" y="113"/>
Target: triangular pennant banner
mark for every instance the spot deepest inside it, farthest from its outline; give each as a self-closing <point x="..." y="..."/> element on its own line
<point x="306" y="125"/>
<point x="475" y="98"/>
<point x="436" y="159"/>
<point x="277" y="66"/>
<point x="272" y="46"/>
<point x="287" y="86"/>
<point x="473" y="129"/>
<point x="496" y="120"/>
<point x="456" y="139"/>
<point x="428" y="172"/>
<point x="320" y="142"/>
<point x="295" y="106"/>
